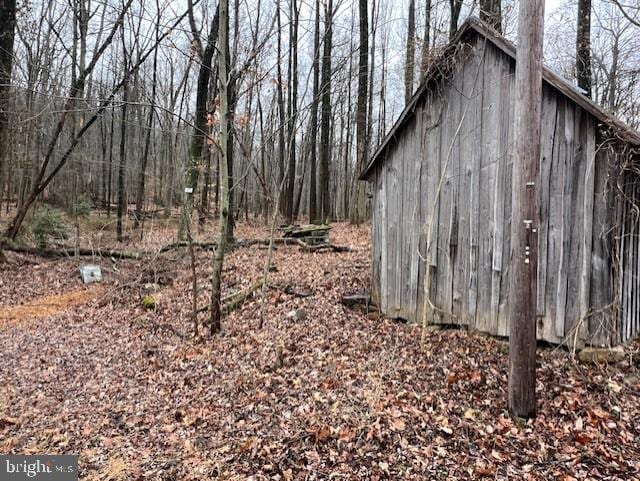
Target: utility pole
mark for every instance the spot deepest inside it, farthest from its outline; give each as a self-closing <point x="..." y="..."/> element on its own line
<point x="524" y="225"/>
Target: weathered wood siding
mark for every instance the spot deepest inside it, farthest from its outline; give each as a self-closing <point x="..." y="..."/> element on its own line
<point x="446" y="182"/>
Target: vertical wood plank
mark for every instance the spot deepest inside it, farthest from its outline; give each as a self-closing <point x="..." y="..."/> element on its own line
<point x="475" y="163"/>
<point x="384" y="240"/>
<point x="444" y="285"/>
<point x="490" y="135"/>
<point x="432" y="213"/>
<point x="575" y="224"/>
<point x="587" y="232"/>
<point x="502" y="199"/>
<point x="601" y="292"/>
<point x="547" y="143"/>
<point x="565" y="226"/>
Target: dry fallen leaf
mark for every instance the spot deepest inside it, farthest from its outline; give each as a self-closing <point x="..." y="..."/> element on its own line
<point x="397" y="424"/>
<point x="114" y="381"/>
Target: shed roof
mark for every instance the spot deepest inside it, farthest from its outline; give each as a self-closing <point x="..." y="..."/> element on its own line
<point x="473" y="26"/>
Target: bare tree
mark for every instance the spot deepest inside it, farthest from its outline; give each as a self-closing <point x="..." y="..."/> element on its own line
<point x="491" y="13"/>
<point x="409" y="68"/>
<point x="7" y="35"/>
<point x="358" y="207"/>
<point x="583" y="46"/>
<point x="281" y="112"/>
<point x="325" y="122"/>
<point x="292" y="109"/>
<point x="455" y="7"/>
<point x="152" y="113"/>
<point x="42" y="180"/>
<point x="122" y="164"/>
<point x="205" y="54"/>
<point x="313" y="122"/>
<point x="225" y="147"/>
<point x="630" y="12"/>
<point x="426" y="38"/>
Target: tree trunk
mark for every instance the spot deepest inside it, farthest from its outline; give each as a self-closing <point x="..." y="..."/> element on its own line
<point x="426" y="39"/>
<point x="358" y="206"/>
<point x="411" y="53"/>
<point x="122" y="164"/>
<point x="7" y="35"/>
<point x="293" y="111"/>
<point x="583" y="46"/>
<point x="313" y="121"/>
<point x="281" y="114"/>
<point x="232" y="99"/>
<point x="110" y="169"/>
<point x="325" y="122"/>
<point x="147" y="144"/>
<point x="455" y="6"/>
<point x="199" y="130"/>
<point x="524" y="222"/>
<point x="612" y="89"/>
<point x="225" y="119"/>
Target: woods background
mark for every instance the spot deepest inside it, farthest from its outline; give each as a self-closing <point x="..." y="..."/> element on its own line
<point x="127" y="119"/>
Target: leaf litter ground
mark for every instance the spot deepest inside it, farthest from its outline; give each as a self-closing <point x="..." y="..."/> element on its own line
<point x="334" y="395"/>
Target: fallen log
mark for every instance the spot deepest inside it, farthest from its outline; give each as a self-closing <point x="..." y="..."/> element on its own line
<point x="66" y="251"/>
<point x="234" y="301"/>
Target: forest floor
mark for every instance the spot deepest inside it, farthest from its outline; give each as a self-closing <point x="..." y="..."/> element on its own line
<point x="335" y="394"/>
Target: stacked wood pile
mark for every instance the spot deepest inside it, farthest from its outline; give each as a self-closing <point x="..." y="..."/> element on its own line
<point x="310" y="237"/>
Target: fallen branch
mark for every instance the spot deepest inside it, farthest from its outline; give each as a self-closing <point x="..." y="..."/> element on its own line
<point x="292" y="292"/>
<point x="234" y="301"/>
<point x="318" y="247"/>
<point x="213" y="244"/>
<point x="199" y="245"/>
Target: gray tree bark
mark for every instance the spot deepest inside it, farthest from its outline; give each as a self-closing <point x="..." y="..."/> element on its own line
<point x="358" y="207"/>
<point x="409" y="64"/>
<point x="313" y="122"/>
<point x="426" y="39"/>
<point x="199" y="130"/>
<point x="583" y="46"/>
<point x="223" y="158"/>
<point x="325" y="122"/>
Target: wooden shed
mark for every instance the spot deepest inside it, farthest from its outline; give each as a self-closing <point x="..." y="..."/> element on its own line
<point x="441" y="185"/>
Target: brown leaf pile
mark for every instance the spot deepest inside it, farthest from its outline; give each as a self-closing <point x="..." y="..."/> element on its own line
<point x="333" y="395"/>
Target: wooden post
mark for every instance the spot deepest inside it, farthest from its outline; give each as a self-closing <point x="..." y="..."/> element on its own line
<point x="524" y="225"/>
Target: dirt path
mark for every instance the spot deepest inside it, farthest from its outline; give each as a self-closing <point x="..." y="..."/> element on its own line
<point x="46" y="306"/>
